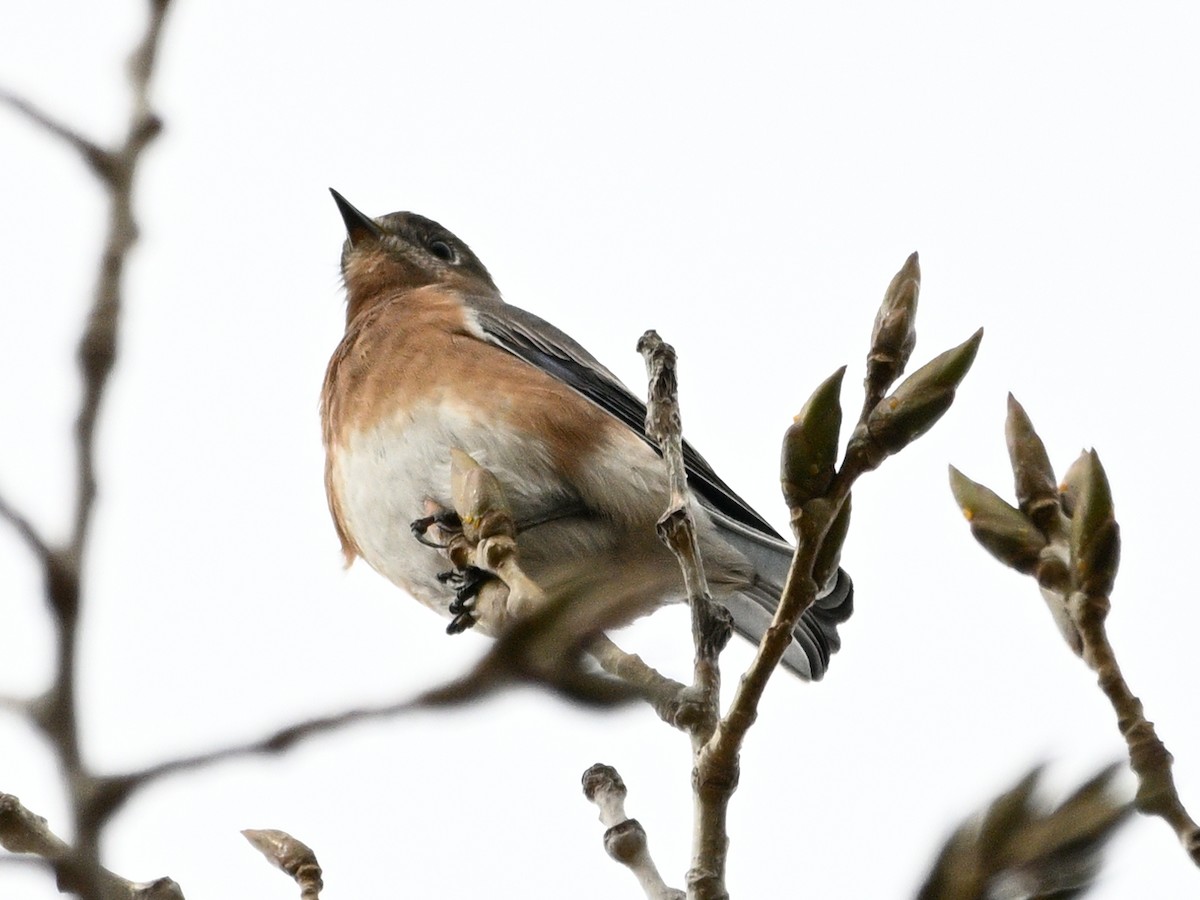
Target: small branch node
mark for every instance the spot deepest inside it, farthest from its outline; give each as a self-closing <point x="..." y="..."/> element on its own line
<point x="624" y="838"/>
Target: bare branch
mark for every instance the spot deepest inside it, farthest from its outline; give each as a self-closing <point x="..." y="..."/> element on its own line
<point x="1070" y="542"/>
<point x="93" y="154"/>
<point x="56" y="712"/>
<point x="676" y="704"/>
<point x="523" y="654"/>
<point x="1088" y="607"/>
<point x="25" y="529"/>
<point x="22" y="831"/>
<point x="711" y="628"/>
<point x="625" y="840"/>
<point x="1157" y="794"/>
<point x="817" y="499"/>
<point x="711" y="624"/>
<point x="98" y="343"/>
<point x="118" y="788"/>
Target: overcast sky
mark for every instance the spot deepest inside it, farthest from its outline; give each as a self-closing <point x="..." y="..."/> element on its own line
<point x="744" y="179"/>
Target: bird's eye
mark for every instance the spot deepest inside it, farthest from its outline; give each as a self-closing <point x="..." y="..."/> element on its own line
<point x="442" y="250"/>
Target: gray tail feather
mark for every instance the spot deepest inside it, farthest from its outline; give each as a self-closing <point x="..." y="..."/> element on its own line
<point x="815" y="638"/>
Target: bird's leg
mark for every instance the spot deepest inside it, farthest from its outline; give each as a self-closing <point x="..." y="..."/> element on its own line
<point x="466" y="580"/>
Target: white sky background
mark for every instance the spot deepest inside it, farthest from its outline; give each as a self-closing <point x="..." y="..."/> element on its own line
<point x="746" y="182"/>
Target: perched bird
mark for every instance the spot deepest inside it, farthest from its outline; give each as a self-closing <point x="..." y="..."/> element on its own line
<point x="432" y="360"/>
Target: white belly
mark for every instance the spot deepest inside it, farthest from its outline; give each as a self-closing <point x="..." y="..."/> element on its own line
<point x="385" y="477"/>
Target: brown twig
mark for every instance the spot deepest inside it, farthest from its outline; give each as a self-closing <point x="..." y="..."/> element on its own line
<point x="98" y="344"/>
<point x="55" y="712"/>
<point x="711" y="624"/>
<point x="1148" y="756"/>
<point x="675" y="703"/>
<point x="33" y="540"/>
<point x="711" y="627"/>
<point x="818" y="495"/>
<point x="717" y="765"/>
<point x="93" y="154"/>
<point x="625" y="838"/>
<point x="1068" y="539"/>
<point x="817" y="492"/>
<point x="1094" y="557"/>
<point x="22" y="831"/>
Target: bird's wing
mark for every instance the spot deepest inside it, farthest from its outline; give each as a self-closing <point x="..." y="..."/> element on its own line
<point x="541" y="344"/>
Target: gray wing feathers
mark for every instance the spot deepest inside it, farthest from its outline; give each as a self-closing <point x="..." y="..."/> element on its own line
<point x="541" y="344"/>
<point x="815" y="638"/>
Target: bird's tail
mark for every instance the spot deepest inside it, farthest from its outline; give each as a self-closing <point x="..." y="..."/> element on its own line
<point x="815" y="638"/>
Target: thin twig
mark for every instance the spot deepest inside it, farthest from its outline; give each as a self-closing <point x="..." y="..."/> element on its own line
<point x="674" y="702"/>
<point x="98" y="343"/>
<point x="56" y="712"/>
<point x="1157" y="794"/>
<point x="1095" y="554"/>
<point x="506" y="663"/>
<point x="1068" y="539"/>
<point x="711" y="628"/>
<point x="717" y="766"/>
<point x="22" y="831"/>
<point x="277" y="742"/>
<point x="25" y="529"/>
<point x="885" y="427"/>
<point x="711" y="625"/>
<point x="93" y="154"/>
<point x="625" y="838"/>
<point x="800" y="589"/>
<point x="799" y="593"/>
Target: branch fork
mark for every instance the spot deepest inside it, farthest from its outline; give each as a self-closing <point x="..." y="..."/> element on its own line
<point x="1067" y="538"/>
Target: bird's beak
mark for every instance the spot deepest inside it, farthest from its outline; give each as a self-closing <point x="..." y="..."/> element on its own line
<point x="359" y="226"/>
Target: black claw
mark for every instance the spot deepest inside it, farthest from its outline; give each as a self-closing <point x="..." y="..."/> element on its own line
<point x="467" y="584"/>
<point x="422" y="525"/>
<point x="473" y="580"/>
<point x="446" y="520"/>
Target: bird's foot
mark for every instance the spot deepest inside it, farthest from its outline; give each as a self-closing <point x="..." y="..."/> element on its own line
<point x="467" y="583"/>
<point x="461" y="623"/>
<point x="447" y="522"/>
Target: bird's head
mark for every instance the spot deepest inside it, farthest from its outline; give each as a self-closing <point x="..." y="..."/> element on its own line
<point x="403" y="251"/>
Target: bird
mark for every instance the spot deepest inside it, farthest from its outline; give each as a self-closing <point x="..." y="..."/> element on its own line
<point x="433" y="360"/>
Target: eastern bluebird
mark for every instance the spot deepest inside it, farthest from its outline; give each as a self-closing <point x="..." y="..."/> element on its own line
<point x="433" y="359"/>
